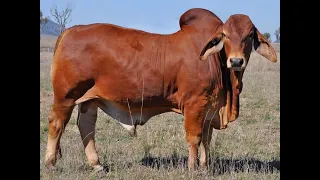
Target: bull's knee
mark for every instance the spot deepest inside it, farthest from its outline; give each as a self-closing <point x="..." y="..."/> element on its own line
<point x="53" y="126"/>
<point x="193" y="139"/>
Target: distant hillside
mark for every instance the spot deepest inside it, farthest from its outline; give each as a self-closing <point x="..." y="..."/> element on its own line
<point x="51" y="28"/>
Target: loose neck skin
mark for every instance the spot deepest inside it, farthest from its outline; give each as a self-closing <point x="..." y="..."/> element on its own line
<point x="232" y="81"/>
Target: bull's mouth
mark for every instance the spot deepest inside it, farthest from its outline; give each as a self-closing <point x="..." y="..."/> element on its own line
<point x="237" y="68"/>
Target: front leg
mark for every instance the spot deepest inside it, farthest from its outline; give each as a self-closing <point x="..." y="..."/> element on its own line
<point x="217" y="119"/>
<point x="194" y="113"/>
<point x="205" y="143"/>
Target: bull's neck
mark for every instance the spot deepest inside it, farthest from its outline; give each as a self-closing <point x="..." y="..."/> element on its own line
<point x="196" y="39"/>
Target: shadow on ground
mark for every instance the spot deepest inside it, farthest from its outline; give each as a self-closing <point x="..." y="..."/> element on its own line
<point x="218" y="165"/>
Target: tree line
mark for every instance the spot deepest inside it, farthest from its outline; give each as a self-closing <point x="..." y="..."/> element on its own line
<point x="276" y="33"/>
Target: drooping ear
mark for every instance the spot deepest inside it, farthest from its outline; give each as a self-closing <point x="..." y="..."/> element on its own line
<point x="263" y="47"/>
<point x="214" y="45"/>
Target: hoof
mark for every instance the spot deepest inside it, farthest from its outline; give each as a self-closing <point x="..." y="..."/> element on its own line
<point x="204" y="171"/>
<point x="98" y="168"/>
<point x="98" y="171"/>
<point x="50" y="160"/>
<point x="51" y="167"/>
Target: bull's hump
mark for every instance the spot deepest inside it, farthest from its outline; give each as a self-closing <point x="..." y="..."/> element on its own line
<point x="195" y="15"/>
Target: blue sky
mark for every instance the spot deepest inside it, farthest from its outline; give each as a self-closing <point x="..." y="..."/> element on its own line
<point x="162" y="16"/>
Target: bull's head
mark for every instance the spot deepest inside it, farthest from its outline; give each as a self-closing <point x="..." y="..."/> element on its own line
<point x="237" y="36"/>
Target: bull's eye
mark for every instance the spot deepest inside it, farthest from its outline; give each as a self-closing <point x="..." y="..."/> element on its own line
<point x="215" y="41"/>
<point x="251" y="34"/>
<point x="249" y="37"/>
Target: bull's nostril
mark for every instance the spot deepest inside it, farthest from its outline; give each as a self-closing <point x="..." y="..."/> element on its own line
<point x="236" y="62"/>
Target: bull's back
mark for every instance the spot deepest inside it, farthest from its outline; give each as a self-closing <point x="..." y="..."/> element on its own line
<point x="124" y="63"/>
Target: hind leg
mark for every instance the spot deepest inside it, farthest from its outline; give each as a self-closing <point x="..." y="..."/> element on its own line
<point x="87" y="116"/>
<point x="58" y="119"/>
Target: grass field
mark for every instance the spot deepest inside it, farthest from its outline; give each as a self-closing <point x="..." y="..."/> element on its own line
<point x="248" y="149"/>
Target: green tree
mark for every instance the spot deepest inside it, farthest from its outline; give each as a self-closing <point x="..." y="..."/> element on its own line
<point x="268" y="36"/>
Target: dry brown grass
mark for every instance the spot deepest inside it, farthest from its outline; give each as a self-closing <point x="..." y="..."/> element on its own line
<point x="248" y="149"/>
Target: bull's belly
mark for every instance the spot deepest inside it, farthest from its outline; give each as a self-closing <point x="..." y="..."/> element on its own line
<point x="129" y="117"/>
